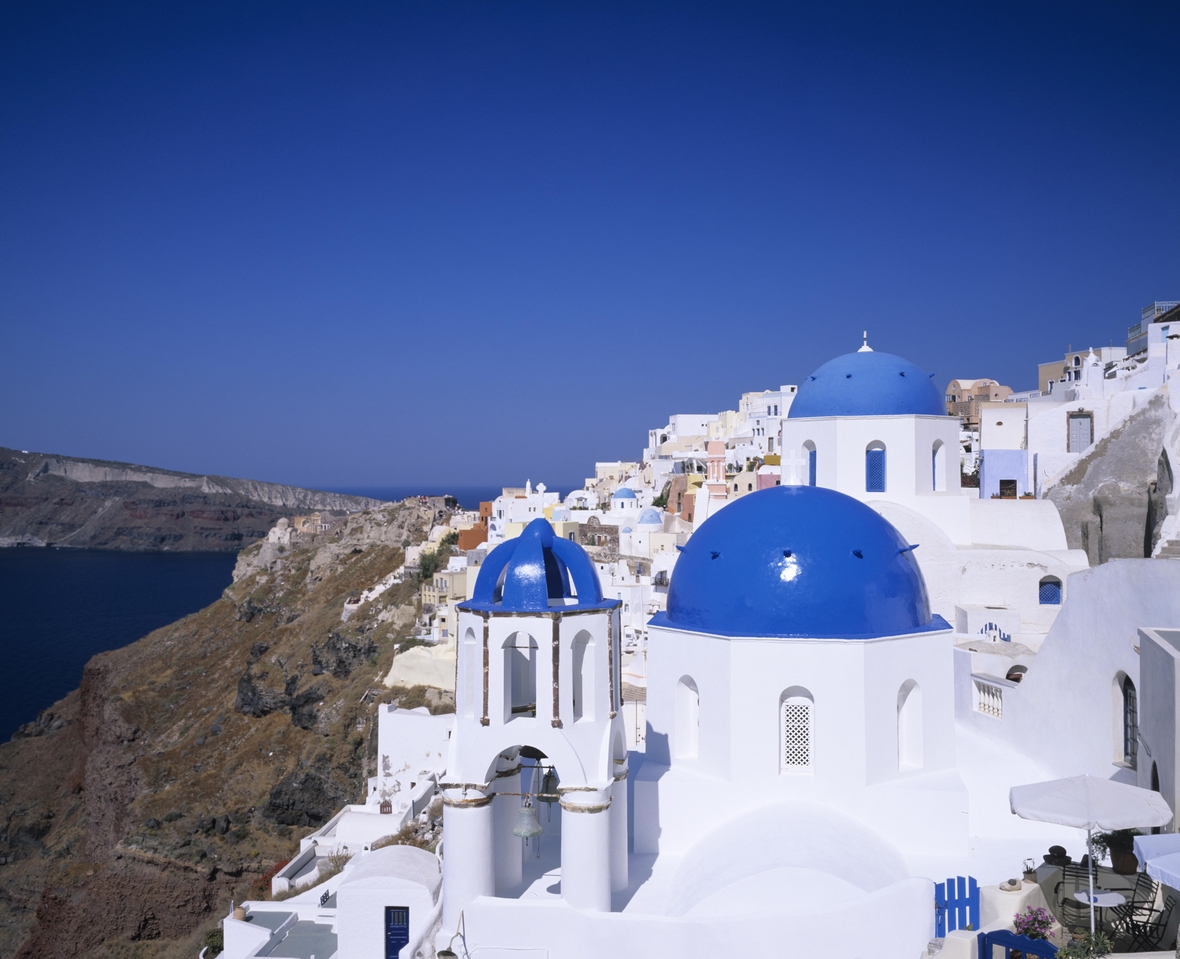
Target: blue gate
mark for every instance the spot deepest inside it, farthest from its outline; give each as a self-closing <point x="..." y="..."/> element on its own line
<point x="1009" y="941"/>
<point x="956" y="905"/>
<point x="397" y="930"/>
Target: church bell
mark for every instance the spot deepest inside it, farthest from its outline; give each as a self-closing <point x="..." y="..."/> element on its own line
<point x="527" y="824"/>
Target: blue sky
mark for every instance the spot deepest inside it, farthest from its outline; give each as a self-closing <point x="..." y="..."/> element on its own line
<point x="338" y="245"/>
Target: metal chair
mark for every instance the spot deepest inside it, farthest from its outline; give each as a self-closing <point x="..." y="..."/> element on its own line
<point x="1137" y="909"/>
<point x="1146" y="934"/>
<point x="1070" y="911"/>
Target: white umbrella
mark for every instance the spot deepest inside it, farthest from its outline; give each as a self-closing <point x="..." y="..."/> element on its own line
<point x="1090" y="803"/>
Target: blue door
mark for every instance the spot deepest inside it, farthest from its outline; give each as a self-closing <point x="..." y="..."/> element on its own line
<point x="875" y="471"/>
<point x="397" y="930"/>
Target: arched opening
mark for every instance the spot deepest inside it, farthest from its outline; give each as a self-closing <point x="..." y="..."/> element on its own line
<point x="472" y="675"/>
<point x="875" y="467"/>
<point x="688" y="719"/>
<point x="583" y="676"/>
<point x="1049" y="591"/>
<point x="938" y="467"/>
<point x="1130" y="717"/>
<point x="909" y="726"/>
<point x="809" y="448"/>
<point x="796" y="735"/>
<point x="520" y="676"/>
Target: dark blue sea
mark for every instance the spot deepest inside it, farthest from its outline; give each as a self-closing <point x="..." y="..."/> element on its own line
<point x="58" y="607"/>
<point x="469" y="497"/>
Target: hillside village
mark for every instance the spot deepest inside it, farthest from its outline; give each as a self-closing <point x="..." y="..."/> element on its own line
<point x="1006" y="571"/>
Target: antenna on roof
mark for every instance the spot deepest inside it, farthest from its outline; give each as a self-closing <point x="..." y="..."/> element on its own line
<point x="865" y="348"/>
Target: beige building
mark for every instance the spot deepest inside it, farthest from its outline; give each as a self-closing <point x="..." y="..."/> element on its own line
<point x="963" y="398"/>
<point x="1069" y="368"/>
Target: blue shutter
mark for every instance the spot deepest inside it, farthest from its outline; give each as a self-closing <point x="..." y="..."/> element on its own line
<point x="1050" y="594"/>
<point x="811" y="467"/>
<point x="875" y="471"/>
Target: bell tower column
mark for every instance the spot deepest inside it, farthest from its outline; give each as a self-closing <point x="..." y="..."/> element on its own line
<point x="586" y="849"/>
<point x="505" y="810"/>
<point x="468" y="870"/>
<point x="618" y="827"/>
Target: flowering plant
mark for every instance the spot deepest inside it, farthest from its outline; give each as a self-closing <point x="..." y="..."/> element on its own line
<point x="1034" y="923"/>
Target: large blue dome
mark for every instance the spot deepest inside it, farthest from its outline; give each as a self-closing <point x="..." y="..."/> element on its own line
<point x="798" y="561"/>
<point x="533" y="573"/>
<point x="867" y="384"/>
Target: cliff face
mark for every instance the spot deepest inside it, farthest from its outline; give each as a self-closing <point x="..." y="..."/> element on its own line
<point x="188" y="763"/>
<point x="61" y="501"/>
<point x="1113" y="501"/>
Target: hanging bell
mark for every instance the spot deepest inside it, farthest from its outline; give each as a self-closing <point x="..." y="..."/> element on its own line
<point x="527" y="824"/>
<point x="549" y="787"/>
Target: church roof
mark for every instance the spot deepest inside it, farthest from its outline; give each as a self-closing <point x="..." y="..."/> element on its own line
<point x="623" y="493"/>
<point x="534" y="573"/>
<point x="867" y="383"/>
<point x="651" y="517"/>
<point x="798" y="561"/>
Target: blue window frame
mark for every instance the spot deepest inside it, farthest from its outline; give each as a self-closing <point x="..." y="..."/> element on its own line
<point x="811" y="467"/>
<point x="1050" y="592"/>
<point x="875" y="471"/>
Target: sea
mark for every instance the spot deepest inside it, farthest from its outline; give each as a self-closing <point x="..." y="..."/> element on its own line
<point x="59" y="607"/>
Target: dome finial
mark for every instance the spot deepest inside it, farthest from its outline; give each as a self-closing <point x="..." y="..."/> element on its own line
<point x="865" y="348"/>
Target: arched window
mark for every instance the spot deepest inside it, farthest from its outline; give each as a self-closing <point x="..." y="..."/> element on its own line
<point x="909" y="726"/>
<point x="875" y="467"/>
<point x="472" y="675"/>
<point x="520" y="676"/>
<point x="809" y="447"/>
<point x="1130" y="722"/>
<point x="796" y="737"/>
<point x="688" y="719"/>
<point x="1049" y="591"/>
<point x="938" y="467"/>
<point x="583" y="670"/>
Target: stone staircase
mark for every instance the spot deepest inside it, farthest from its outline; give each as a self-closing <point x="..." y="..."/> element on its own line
<point x="1170" y="550"/>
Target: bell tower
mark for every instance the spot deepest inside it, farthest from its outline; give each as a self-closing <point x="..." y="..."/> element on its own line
<point x="537" y="670"/>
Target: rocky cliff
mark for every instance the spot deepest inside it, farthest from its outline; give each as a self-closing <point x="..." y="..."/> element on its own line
<point x="1114" y="500"/>
<point x="61" y="501"/>
<point x="188" y="764"/>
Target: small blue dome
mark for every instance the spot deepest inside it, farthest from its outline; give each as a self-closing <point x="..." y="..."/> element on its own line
<point x="626" y="529"/>
<point x="533" y="573"/>
<point x="623" y="493"/>
<point x="798" y="561"/>
<point x="651" y="517"/>
<point x="867" y="384"/>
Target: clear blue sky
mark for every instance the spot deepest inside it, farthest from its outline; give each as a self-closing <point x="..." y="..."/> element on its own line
<point x="339" y="246"/>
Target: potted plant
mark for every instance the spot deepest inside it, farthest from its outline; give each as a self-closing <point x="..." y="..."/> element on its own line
<point x="1088" y="947"/>
<point x="1034" y="922"/>
<point x="1120" y="844"/>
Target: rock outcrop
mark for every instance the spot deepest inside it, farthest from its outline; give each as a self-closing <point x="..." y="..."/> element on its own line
<point x="1113" y="502"/>
<point x="50" y="500"/>
<point x="188" y="763"/>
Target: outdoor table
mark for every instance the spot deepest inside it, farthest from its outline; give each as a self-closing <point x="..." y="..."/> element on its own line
<point x="1102" y="898"/>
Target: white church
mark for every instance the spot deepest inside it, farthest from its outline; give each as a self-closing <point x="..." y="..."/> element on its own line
<point x="852" y="670"/>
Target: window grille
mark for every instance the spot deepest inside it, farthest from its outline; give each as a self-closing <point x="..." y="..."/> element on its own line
<point x="811" y="467"/>
<point x="989" y="699"/>
<point x="1050" y="592"/>
<point x="875" y="471"/>
<point x="796" y="719"/>
<point x="1130" y="723"/>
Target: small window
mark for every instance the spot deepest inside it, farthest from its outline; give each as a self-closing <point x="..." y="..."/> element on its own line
<point x="811" y="462"/>
<point x="875" y="468"/>
<point x="1049" y="591"/>
<point x="1130" y="723"/>
<point x="1008" y="489"/>
<point x="797" y="747"/>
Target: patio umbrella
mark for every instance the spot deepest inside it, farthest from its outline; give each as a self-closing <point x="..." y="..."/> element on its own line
<point x="1160" y="856"/>
<point x="1089" y="803"/>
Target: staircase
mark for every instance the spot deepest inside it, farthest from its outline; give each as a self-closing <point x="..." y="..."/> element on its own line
<point x="1170" y="550"/>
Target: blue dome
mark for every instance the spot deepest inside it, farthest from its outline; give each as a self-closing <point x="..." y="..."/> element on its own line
<point x="626" y="529"/>
<point x="867" y="384"/>
<point x="651" y="517"/>
<point x="623" y="493"/>
<point x="798" y="561"/>
<point x="533" y="573"/>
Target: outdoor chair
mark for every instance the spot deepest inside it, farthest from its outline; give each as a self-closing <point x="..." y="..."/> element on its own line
<point x="1070" y="911"/>
<point x="1147" y="934"/>
<point x="1138" y="908"/>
